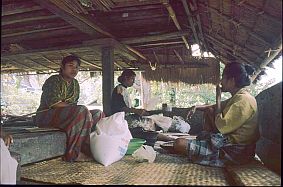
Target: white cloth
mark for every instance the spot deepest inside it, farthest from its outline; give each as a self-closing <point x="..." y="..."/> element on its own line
<point x="126" y="96"/>
<point x="8" y="165"/>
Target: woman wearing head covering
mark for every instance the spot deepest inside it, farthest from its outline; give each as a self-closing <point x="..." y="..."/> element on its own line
<point x="58" y="108"/>
<point x="230" y="127"/>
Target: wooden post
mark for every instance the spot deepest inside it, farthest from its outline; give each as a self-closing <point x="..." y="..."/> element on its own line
<point x="107" y="78"/>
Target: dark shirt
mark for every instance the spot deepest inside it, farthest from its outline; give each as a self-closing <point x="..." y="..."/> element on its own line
<point x="117" y="101"/>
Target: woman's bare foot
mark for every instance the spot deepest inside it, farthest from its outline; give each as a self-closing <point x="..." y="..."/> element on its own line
<point x="83" y="158"/>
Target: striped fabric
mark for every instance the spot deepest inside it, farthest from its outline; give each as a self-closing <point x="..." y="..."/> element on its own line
<point x="77" y="121"/>
<point x="214" y="150"/>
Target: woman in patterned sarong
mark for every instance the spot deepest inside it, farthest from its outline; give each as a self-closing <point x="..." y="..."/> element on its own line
<point x="58" y="109"/>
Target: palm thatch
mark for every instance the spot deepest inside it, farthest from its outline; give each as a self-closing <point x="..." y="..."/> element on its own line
<point x="190" y="75"/>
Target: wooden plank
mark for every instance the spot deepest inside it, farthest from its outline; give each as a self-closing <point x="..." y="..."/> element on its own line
<point x="31" y="32"/>
<point x="6" y="21"/>
<point x="76" y="20"/>
<point x="179" y="57"/>
<point x="124" y="4"/>
<point x="10" y="9"/>
<point x="200" y="28"/>
<point x="24" y="65"/>
<point x="41" y="64"/>
<point x="80" y="22"/>
<point x="189" y="15"/>
<point x="29" y="36"/>
<point x="107" y="78"/>
<point x="174" y="18"/>
<point x="53" y="49"/>
<point x="155" y="37"/>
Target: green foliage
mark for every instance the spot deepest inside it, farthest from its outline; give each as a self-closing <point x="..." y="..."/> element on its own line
<point x="21" y="101"/>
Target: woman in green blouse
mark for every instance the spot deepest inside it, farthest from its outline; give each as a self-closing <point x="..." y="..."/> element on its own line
<point x="230" y="127"/>
<point x="58" y="108"/>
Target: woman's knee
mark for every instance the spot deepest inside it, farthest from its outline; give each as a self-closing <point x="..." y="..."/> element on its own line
<point x="181" y="145"/>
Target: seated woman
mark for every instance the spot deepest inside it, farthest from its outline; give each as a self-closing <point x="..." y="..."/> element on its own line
<point x="230" y="127"/>
<point x="58" y="108"/>
<point x="121" y="102"/>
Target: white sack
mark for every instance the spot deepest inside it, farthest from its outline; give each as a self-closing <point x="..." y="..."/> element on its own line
<point x="109" y="142"/>
<point x="8" y="165"/>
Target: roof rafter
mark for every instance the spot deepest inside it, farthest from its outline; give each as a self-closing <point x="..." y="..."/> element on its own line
<point x="175" y="20"/>
<point x="80" y="22"/>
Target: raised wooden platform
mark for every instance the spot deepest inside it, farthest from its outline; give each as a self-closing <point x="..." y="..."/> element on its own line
<point x="35" y="144"/>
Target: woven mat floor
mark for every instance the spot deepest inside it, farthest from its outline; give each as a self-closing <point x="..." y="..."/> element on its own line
<point x="254" y="174"/>
<point x="166" y="170"/>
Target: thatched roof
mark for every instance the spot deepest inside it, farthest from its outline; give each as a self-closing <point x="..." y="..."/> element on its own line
<point x="193" y="75"/>
<point x="37" y="34"/>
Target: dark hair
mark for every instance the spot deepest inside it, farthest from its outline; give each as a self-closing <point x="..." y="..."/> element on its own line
<point x="126" y="73"/>
<point x="240" y="72"/>
<point x="68" y="59"/>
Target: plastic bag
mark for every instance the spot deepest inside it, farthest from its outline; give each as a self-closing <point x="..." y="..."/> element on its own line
<point x="179" y="125"/>
<point x="162" y="121"/>
<point x="145" y="123"/>
<point x="109" y="142"/>
<point x="145" y="153"/>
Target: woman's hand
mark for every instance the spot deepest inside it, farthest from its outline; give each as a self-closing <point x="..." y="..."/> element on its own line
<point x="141" y="112"/>
<point x="8" y="140"/>
<point x="218" y="98"/>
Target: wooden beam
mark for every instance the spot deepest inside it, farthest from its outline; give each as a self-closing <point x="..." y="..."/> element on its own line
<point x="154" y="38"/>
<point x="9" y="9"/>
<point x="179" y="57"/>
<point x="174" y="18"/>
<point x="24" y="65"/>
<point x="85" y="61"/>
<point x="200" y="27"/>
<point x="189" y="16"/>
<point x="231" y="20"/>
<point x="160" y="44"/>
<point x="91" y="64"/>
<point x="31" y="32"/>
<point x="80" y="22"/>
<point x="51" y="33"/>
<point x="107" y="78"/>
<point x="123" y="4"/>
<point x="56" y="70"/>
<point x="267" y="60"/>
<point x="84" y="46"/>
<point x="47" y="59"/>
<point x="8" y="21"/>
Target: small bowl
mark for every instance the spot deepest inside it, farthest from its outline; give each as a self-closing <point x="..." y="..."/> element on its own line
<point x="134" y="144"/>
